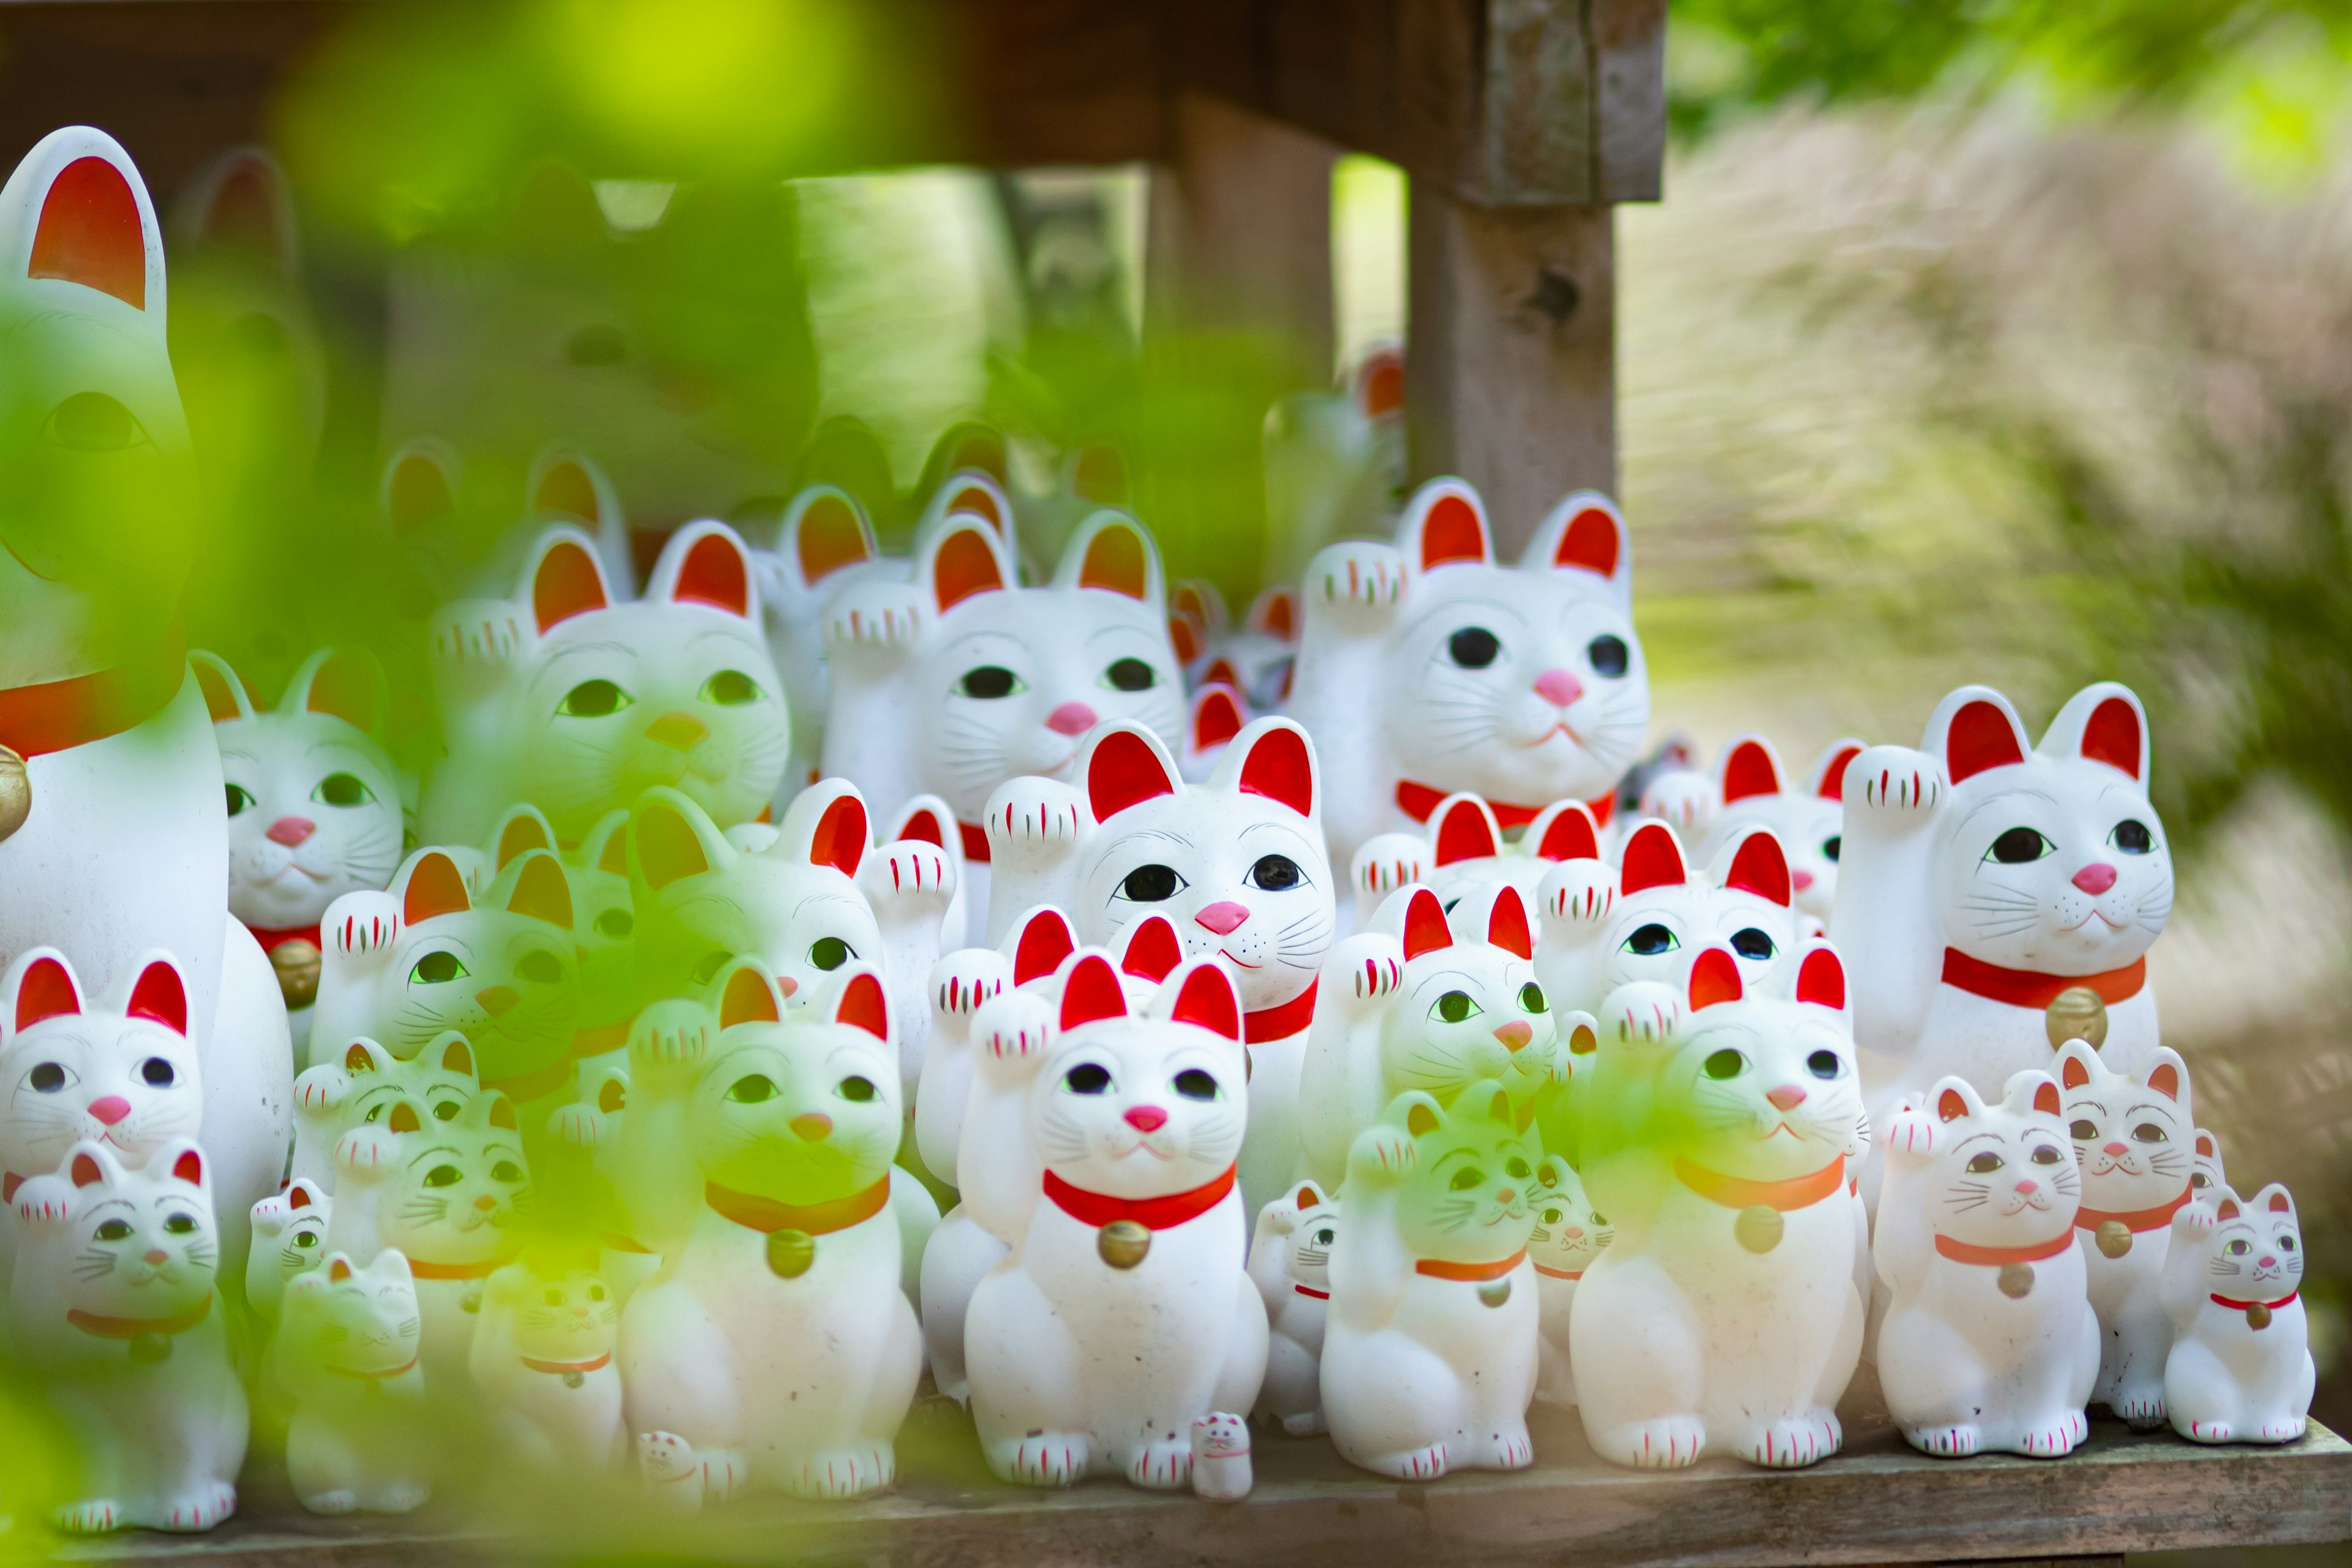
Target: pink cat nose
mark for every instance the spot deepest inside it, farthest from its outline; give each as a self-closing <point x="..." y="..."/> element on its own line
<point x="2113" y="1150"/>
<point x="787" y="985"/>
<point x="1507" y="1194"/>
<point x="1223" y="917"/>
<point x="1573" y="1233"/>
<point x="497" y="999"/>
<point x="154" y="1254"/>
<point x="1516" y="1034"/>
<point x="680" y="732"/>
<point x="1071" y="719"/>
<point x="1803" y="880"/>
<point x="290" y="830"/>
<point x="1147" y="1118"/>
<point x="1559" y="688"/>
<point x="1787" y="1097"/>
<point x="486" y="1203"/>
<point x="2095" y="877"/>
<point x="110" y="1109"/>
<point x="2266" y="1261"/>
<point x="811" y="1127"/>
<point x="2029" y="1186"/>
<point x="579" y="1312"/>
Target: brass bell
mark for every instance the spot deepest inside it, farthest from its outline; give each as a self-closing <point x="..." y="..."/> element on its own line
<point x="1495" y="1292"/>
<point x="471" y="1301"/>
<point x="1758" y="1228"/>
<point x="296" y="964"/>
<point x="2075" y="1014"/>
<point x="2257" y="1316"/>
<point x="149" y="1348"/>
<point x="2017" y="1280"/>
<point x="15" y="791"/>
<point x="2114" y="1237"/>
<point x="790" y="1253"/>
<point x="574" y="1379"/>
<point x="1123" y="1243"/>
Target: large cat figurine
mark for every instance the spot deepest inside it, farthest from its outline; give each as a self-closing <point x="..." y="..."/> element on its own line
<point x="2239" y="1369"/>
<point x="1237" y="863"/>
<point x="347" y="1349"/>
<point x="112" y="1304"/>
<point x="1723" y="1316"/>
<point x="358" y="1088"/>
<point x="1981" y="878"/>
<point x="1429" y="1353"/>
<point x="1426" y="668"/>
<point x="778" y="1349"/>
<point x="542" y="1363"/>
<point x="1569" y="1234"/>
<point x="2134" y="1137"/>
<point x="1100" y="1148"/>
<point x="961" y="678"/>
<point x="1754" y="791"/>
<point x="1290" y="1263"/>
<point x="577" y="700"/>
<point x="1990" y="1343"/>
<point x="113" y="820"/>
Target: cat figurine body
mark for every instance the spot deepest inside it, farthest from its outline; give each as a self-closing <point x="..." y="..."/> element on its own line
<point x="289" y="1234"/>
<point x="113" y="1305"/>
<point x="2135" y="1138"/>
<point x="1100" y="1147"/>
<point x="542" y="1362"/>
<point x="1569" y="1234"/>
<point x="1290" y="1262"/>
<point x="1723" y="1316"/>
<point x="1426" y="668"/>
<point x="1990" y="1343"/>
<point x="1430" y="1349"/>
<point x="1752" y="790"/>
<point x="347" y="1349"/>
<point x="2239" y="1369"/>
<point x="1221" y="1457"/>
<point x="359" y="1086"/>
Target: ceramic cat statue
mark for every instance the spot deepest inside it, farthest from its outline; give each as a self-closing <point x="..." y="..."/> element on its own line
<point x="1335" y="463"/>
<point x="1523" y="684"/>
<point x="289" y="1233"/>
<point x="113" y="825"/>
<point x="1100" y="1147"/>
<point x="961" y="678"/>
<point x="1981" y="879"/>
<point x="1569" y="1234"/>
<point x="347" y="1349"/>
<point x="1213" y="715"/>
<point x="1221" y="1457"/>
<point x="2239" y="1369"/>
<point x="1253" y="655"/>
<point x="313" y="804"/>
<point x="454" y="554"/>
<point x="1464" y="847"/>
<point x="1290" y="1263"/>
<point x="359" y="1086"/>
<point x="1429" y="1352"/>
<point x="2134" y="1138"/>
<point x="112" y="1305"/>
<point x="604" y="918"/>
<point x="1723" y="1318"/>
<point x="1989" y="1344"/>
<point x="1754" y="791"/>
<point x="571" y="698"/>
<point x="542" y="1363"/>
<point x="1237" y="863"/>
<point x="778" y="1350"/>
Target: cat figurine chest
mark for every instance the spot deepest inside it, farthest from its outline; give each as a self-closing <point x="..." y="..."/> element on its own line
<point x="2239" y="1369"/>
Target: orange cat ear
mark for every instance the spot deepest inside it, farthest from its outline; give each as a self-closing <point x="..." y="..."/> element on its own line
<point x="2165" y="1081"/>
<point x="2046" y="1098"/>
<point x="1951" y="1105"/>
<point x="1420" y="1121"/>
<point x="2073" y="1073"/>
<point x="2228" y="1208"/>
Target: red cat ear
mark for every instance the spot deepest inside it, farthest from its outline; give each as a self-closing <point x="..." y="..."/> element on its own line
<point x="2165" y="1081"/>
<point x="502" y="1112"/>
<point x="542" y="892"/>
<point x="1045" y="940"/>
<point x="1715" y="977"/>
<point x="357" y="1059"/>
<point x="417" y="491"/>
<point x="748" y="997"/>
<point x="2046" y="1098"/>
<point x="524" y="830"/>
<point x="1583" y="1041"/>
<point x="2205" y="1144"/>
<point x="46" y="990"/>
<point x="189" y="1168"/>
<point x="1278" y="765"/>
<point x="1951" y="1105"/>
<point x="1421" y="1119"/>
<point x="841" y="837"/>
<point x="1184" y="639"/>
<point x="1123" y="768"/>
<point x="925" y="824"/>
<point x="1117" y="559"/>
<point x="1379" y="383"/>
<point x="1653" y="859"/>
<point x="1462" y="829"/>
<point x="1506" y="924"/>
<point x="403" y="1118"/>
<point x="1820" y="979"/>
<point x="1425" y="930"/>
<point x="1091" y="993"/>
<point x="1759" y="866"/>
<point x="1830" y="782"/>
<point x="1750" y="769"/>
<point x="1153" y="948"/>
<point x="87" y="1172"/>
<point x="1981" y="733"/>
<point x="435" y="887"/>
<point x="2228" y="1208"/>
<point x="2280" y="1203"/>
<point x="92" y="232"/>
<point x="863" y="1006"/>
<point x="1216" y="717"/>
<point x="339" y="1269"/>
<point x="830" y="533"/>
<point x="715" y="572"/>
<point x="668" y="848"/>
<point x="1207" y="997"/>
<point x="1569" y="834"/>
<point x="567" y="581"/>
<point x="160" y="994"/>
<point x="1306" y="1197"/>
<point x="975" y="500"/>
<point x="1275" y="613"/>
<point x="1443" y="523"/>
<point x="297" y="1196"/>
<point x="963" y="564"/>
<point x="2073" y="1073"/>
<point x="1591" y="542"/>
<point x="2112" y="735"/>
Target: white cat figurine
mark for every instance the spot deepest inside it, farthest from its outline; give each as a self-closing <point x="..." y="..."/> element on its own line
<point x="1569" y="1234"/>
<point x="1753" y="790"/>
<point x="823" y="541"/>
<point x="542" y="1363"/>
<point x="1221" y="1457"/>
<point x="347" y="1349"/>
<point x="359" y="1086"/>
<point x="1290" y="1262"/>
<point x="1464" y="847"/>
<point x="289" y="1234"/>
<point x="2239" y="1369"/>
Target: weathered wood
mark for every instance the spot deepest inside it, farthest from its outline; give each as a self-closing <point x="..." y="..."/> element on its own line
<point x="1629" y="49"/>
<point x="1510" y="366"/>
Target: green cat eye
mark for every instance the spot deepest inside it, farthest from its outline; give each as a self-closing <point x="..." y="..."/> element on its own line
<point x="1650" y="941"/>
<point x="2149" y="1132"/>
<point x="1326" y="1237"/>
<point x="1723" y="1063"/>
<point x="2237" y="1248"/>
<point x="830" y="953"/>
<point x="506" y="1171"/>
<point x="1454" y="1007"/>
<point x="2047" y="1154"/>
<point x="444" y="1177"/>
<point x="306" y="1238"/>
<point x="239" y="801"/>
<point x="113" y="1230"/>
<point x="730" y="689"/>
<point x="1553" y="1216"/>
<point x="1468" y="1177"/>
<point x="437" y="968"/>
<point x="752" y="1088"/>
<point x="1516" y="1168"/>
<point x="593" y="700"/>
<point x="1531" y="998"/>
<point x="614" y="925"/>
<point x="342" y="789"/>
<point x="856" y="1090"/>
<point x="1984" y="1165"/>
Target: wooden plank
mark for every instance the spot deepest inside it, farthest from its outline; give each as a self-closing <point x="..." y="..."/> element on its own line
<point x="1629" y="109"/>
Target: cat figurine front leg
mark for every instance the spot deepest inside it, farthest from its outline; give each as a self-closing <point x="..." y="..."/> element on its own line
<point x="359" y="1441"/>
<point x="2239" y="1369"/>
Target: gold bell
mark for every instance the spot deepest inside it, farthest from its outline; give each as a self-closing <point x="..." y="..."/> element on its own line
<point x="1495" y="1292"/>
<point x="790" y="1253"/>
<point x="1758" y="1228"/>
<point x="149" y="1348"/>
<point x="2017" y="1280"/>
<point x="2075" y="1014"/>
<point x="2257" y="1316"/>
<point x="15" y="791"/>
<point x="1123" y="1243"/>
<point x="2114" y="1237"/>
<point x="296" y="964"/>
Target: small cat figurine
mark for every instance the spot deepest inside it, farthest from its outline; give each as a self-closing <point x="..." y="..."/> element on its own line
<point x="778" y="1348"/>
<point x="1465" y="846"/>
<point x="1237" y="863"/>
<point x="428" y="955"/>
<point x="2134" y="1138"/>
<point x="2239" y="1369"/>
<point x="314" y="804"/>
<point x="1436" y="1006"/>
<point x="1252" y="657"/>
<point x="1290" y="1263"/>
<point x="1569" y="1234"/>
<point x="1751" y="791"/>
<point x="1429" y="1353"/>
<point x="361" y="1087"/>
<point x="112" y="1306"/>
<point x="1989" y="1344"/>
<point x="119" y="1072"/>
<point x="289" y="1234"/>
<point x="542" y="1363"/>
<point x="1221" y="1457"/>
<point x="604" y="918"/>
<point x="1100" y="1147"/>
<point x="1724" y="1315"/>
<point x="1524" y="685"/>
<point x="347" y="1349"/>
<point x="577" y="701"/>
<point x="448" y="1195"/>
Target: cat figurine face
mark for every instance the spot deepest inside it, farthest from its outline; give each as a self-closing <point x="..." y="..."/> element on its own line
<point x="603" y="916"/>
<point x="2133" y="1133"/>
<point x="360" y="1087"/>
<point x="443" y="1192"/>
<point x="121" y="1238"/>
<point x="1569" y="1232"/>
<point x="2003" y="1175"/>
<point x="1470" y="1196"/>
<point x="1469" y="1007"/>
<point x="313" y="800"/>
<point x="1313" y="1222"/>
<point x="360" y="1322"/>
<point x="289" y="1234"/>
<point x="577" y="700"/>
<point x="568" y="1315"/>
<point x="116" y="1072"/>
<point x="1809" y="819"/>
<point x="2254" y="1252"/>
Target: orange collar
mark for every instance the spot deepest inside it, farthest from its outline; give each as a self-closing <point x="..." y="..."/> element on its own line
<point x="1739" y="1192"/>
<point x="107" y="1328"/>
<point x="2134" y="1220"/>
<point x="1099" y="1209"/>
<point x="1418" y="800"/>
<point x="57" y="715"/>
<point x="538" y="1082"/>
<point x="418" y="1269"/>
<point x="1438" y="1268"/>
<point x="2030" y="987"/>
<point x="2033" y="1252"/>
<point x="355" y="1372"/>
<point x="753" y="1212"/>
<point x="1283" y="1019"/>
<point x="1560" y="1273"/>
<point x="569" y="1366"/>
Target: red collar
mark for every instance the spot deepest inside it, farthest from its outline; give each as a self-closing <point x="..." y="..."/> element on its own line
<point x="2242" y="1306"/>
<point x="975" y="842"/>
<point x="603" y="1037"/>
<point x="419" y="1269"/>
<point x="1739" y="1192"/>
<point x="1418" y="800"/>
<point x="1310" y="1290"/>
<point x="2136" y="1220"/>
<point x="355" y="1372"/>
<point x="753" y="1212"/>
<point x="9" y="1182"/>
<point x="2030" y="987"/>
<point x="1993" y="1257"/>
<point x="107" y="1328"/>
<point x="1438" y="1268"/>
<point x="597" y="1365"/>
<point x="1560" y="1273"/>
<point x="536" y="1084"/>
<point x="57" y="715"/>
<point x="1283" y="1019"/>
<point x="1099" y="1209"/>
<point x="271" y="941"/>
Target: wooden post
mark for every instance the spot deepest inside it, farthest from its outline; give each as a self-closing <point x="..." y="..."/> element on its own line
<point x="1510" y="353"/>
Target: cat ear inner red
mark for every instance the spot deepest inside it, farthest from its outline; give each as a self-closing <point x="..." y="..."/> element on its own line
<point x="435" y="887"/>
<point x="1748" y="770"/>
<point x="1951" y="1105"/>
<point x="2046" y="1098"/>
<point x="2113" y="737"/>
<point x="748" y="999"/>
<point x="1820" y="979"/>
<point x="1279" y="768"/>
<point x="1653" y="860"/>
<point x="1125" y="771"/>
<point x="1464" y="832"/>
<point x="841" y="836"/>
<point x="90" y="232"/>
<point x="863" y="1006"/>
<point x="1207" y="998"/>
<point x="1425" y="930"/>
<point x="1153" y="948"/>
<point x="567" y="583"/>
<point x="159" y="995"/>
<point x="1981" y="737"/>
<point x="1715" y="977"/>
<point x="1044" y="941"/>
<point x="963" y="566"/>
<point x="715" y="572"/>
<point x="48" y="991"/>
<point x="1091" y="993"/>
<point x="1506" y="924"/>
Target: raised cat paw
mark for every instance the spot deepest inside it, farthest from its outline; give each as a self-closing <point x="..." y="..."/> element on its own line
<point x="365" y="1150"/>
<point x="1911" y="1131"/>
<point x="1163" y="1467"/>
<point x="908" y="876"/>
<point x="1575" y="898"/>
<point x="581" y="1126"/>
<point x="964" y="979"/>
<point x="1387" y="861"/>
<point x="1668" y="1443"/>
<point x="361" y="924"/>
<point x="844" y="1473"/>
<point x="1682" y="799"/>
<point x="1945" y="1442"/>
<point x="1359" y="581"/>
<point x="1033" y="819"/>
<point x="1794" y="1442"/>
<point x="1045" y="1459"/>
<point x="1012" y="1027"/>
<point x="2191" y="1223"/>
<point x="1644" y="1012"/>
<point x="669" y="1040"/>
<point x="878" y="617"/>
<point x="1381" y="1154"/>
<point x="320" y="1089"/>
<point x="1897" y="781"/>
<point x="478" y="632"/>
<point x="1371" y="965"/>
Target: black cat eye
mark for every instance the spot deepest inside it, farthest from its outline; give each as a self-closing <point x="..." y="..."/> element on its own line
<point x="506" y="1171"/>
<point x="539" y="967"/>
<point x="1454" y="1007"/>
<point x="1275" y="873"/>
<point x="1823" y="1064"/>
<point x="2021" y="846"/>
<point x="752" y="1088"/>
<point x="1983" y="1165"/>
<point x="614" y="925"/>
<point x="1516" y="1168"/>
<point x="47" y="1078"/>
<point x="113" y="1230"/>
<point x="1194" y="1084"/>
<point x="730" y="689"/>
<point x="1326" y="1237"/>
<point x="2286" y="1243"/>
<point x="342" y="789"/>
<point x="1468" y="1177"/>
<point x="1609" y="655"/>
<point x="1130" y="675"/>
<point x="2047" y="1154"/>
<point x="437" y="968"/>
<point x="1087" y="1078"/>
<point x="1151" y="884"/>
<point x="593" y="699"/>
<point x="444" y="1177"/>
<point x="856" y="1090"/>
<point x="239" y="801"/>
<point x="1830" y="846"/>
<point x="2238" y="1248"/>
<point x="1649" y="940"/>
<point x="2148" y="1132"/>
<point x="2082" y="1130"/>
<point x="1723" y="1063"/>
<point x="181" y="1224"/>
<point x="1553" y="1216"/>
<point x="988" y="681"/>
<point x="830" y="953"/>
<point x="157" y="1071"/>
<point x="1531" y="998"/>
<point x="1749" y="942"/>
<point x="1473" y="648"/>
<point x="2131" y="836"/>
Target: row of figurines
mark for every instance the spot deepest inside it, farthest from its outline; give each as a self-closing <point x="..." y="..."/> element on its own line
<point x="756" y="1325"/>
